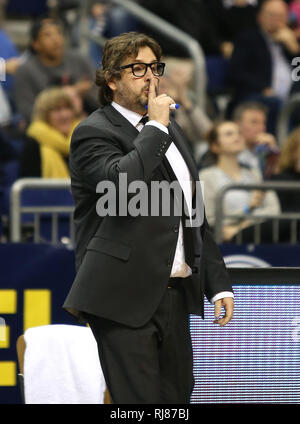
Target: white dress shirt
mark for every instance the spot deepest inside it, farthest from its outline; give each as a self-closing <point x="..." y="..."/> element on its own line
<point x="179" y="268"/>
<point x="281" y="69"/>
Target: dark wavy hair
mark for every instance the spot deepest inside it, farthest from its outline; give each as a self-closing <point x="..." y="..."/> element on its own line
<point x="115" y="51"/>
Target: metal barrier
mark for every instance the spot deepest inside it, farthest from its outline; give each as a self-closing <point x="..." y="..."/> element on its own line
<point x="164" y="27"/>
<point x="276" y="186"/>
<point x="283" y="131"/>
<point x="17" y="210"/>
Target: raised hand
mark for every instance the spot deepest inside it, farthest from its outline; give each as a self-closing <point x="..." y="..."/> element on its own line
<point x="158" y="106"/>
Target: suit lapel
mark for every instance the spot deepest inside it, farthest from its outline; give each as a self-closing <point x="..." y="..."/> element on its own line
<point x="165" y="169"/>
<point x="180" y="143"/>
<point x="118" y="120"/>
<point x="178" y="139"/>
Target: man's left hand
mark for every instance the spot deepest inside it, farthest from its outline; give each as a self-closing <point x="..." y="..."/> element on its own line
<point x="287" y="37"/>
<point x="228" y="304"/>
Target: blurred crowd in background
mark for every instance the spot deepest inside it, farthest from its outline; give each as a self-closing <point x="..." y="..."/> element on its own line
<point x="249" y="46"/>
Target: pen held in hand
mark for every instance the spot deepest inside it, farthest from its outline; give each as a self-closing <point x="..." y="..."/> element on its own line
<point x="173" y="106"/>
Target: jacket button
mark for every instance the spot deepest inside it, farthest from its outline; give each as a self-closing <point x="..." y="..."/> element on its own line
<point x="169" y="263"/>
<point x="176" y="229"/>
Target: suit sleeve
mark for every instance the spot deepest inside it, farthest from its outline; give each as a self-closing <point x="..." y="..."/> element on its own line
<point x="216" y="277"/>
<point x="97" y="156"/>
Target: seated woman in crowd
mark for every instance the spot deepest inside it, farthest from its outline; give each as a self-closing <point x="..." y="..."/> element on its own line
<point x="226" y="144"/>
<point x="46" y="150"/>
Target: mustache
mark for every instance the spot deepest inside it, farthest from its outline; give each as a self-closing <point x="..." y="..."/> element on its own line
<point x="147" y="87"/>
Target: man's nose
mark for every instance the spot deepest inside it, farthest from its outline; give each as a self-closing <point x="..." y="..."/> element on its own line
<point x="149" y="74"/>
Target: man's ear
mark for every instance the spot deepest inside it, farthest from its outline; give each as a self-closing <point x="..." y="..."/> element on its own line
<point x="112" y="85"/>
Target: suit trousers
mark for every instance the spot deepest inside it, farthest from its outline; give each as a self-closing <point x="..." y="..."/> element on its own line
<point x="151" y="364"/>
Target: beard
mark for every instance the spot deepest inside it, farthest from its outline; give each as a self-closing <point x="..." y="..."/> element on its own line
<point x="131" y="100"/>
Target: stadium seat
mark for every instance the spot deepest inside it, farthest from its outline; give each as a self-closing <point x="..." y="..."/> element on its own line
<point x="216" y="67"/>
<point x="217" y="89"/>
<point x="26" y="8"/>
<point x="48" y="198"/>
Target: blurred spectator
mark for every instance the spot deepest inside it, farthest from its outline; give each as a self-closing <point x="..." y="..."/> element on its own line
<point x="226" y="144"/>
<point x="68" y="12"/>
<point x="98" y="26"/>
<point x="51" y="65"/>
<point x="261" y="151"/>
<point x="192" y="18"/>
<point x="190" y="117"/>
<point x="9" y="53"/>
<point x="7" y="153"/>
<point x="260" y="67"/>
<point x="6" y="114"/>
<point x="108" y="20"/>
<point x="46" y="150"/>
<point x="230" y="18"/>
<point x="289" y="170"/>
<point x="261" y="148"/>
<point x="76" y="99"/>
<point x="294" y="9"/>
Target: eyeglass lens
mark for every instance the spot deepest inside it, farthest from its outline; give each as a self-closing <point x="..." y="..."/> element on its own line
<point x="140" y="69"/>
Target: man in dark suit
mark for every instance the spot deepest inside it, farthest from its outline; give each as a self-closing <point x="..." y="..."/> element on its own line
<point x="140" y="275"/>
<point x="260" y="66"/>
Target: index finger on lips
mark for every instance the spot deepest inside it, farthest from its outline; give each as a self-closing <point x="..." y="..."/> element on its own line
<point x="152" y="93"/>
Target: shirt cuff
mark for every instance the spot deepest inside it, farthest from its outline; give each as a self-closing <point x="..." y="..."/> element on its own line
<point x="221" y="295"/>
<point x="158" y="125"/>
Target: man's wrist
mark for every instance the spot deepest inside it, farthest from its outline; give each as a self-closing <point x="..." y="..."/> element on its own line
<point x="221" y="295"/>
<point x="158" y="125"/>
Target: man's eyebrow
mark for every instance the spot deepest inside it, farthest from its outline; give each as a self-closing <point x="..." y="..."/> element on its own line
<point x="140" y="61"/>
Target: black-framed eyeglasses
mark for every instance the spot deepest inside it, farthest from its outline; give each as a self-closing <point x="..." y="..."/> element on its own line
<point x="139" y="69"/>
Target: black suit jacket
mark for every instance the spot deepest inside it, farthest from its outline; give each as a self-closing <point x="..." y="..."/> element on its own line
<point x="124" y="262"/>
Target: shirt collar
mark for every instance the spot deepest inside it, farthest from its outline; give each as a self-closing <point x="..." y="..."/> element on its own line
<point x="133" y="117"/>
